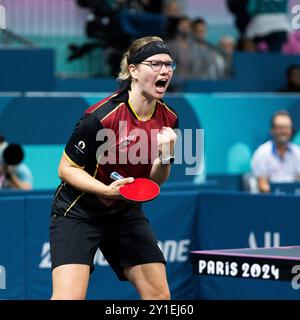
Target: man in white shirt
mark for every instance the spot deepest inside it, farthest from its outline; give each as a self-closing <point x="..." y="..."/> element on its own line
<point x="277" y="160"/>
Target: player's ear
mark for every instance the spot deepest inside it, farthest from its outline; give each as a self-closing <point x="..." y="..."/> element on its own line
<point x="132" y="68"/>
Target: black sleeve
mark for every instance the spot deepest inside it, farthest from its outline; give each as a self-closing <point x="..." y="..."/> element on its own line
<point x="82" y="146"/>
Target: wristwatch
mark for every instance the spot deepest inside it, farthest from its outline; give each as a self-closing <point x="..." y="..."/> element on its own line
<point x="168" y="160"/>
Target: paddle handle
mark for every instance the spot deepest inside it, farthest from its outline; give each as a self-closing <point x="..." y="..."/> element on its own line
<point x="116" y="176"/>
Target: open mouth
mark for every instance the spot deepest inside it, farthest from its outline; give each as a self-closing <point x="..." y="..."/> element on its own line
<point x="161" y="84"/>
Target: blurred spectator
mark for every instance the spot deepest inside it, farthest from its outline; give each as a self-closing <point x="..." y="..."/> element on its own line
<point x="277" y="160"/>
<point x="200" y="29"/>
<point x="292" y="79"/>
<point x="292" y="46"/>
<point x="13" y="173"/>
<point x="210" y="64"/>
<point x="173" y="12"/>
<point x="227" y="44"/>
<point x="184" y="49"/>
<point x="269" y="23"/>
<point x="172" y="9"/>
<point x="195" y="57"/>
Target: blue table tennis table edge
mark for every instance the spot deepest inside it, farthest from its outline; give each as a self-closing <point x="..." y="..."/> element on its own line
<point x="222" y="252"/>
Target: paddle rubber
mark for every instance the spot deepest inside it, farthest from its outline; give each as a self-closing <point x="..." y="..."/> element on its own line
<point x="140" y="190"/>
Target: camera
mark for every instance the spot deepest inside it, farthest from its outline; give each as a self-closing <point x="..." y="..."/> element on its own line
<point x="13" y="154"/>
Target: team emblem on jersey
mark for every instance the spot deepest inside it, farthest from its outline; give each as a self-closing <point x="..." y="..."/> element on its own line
<point x="80" y="146"/>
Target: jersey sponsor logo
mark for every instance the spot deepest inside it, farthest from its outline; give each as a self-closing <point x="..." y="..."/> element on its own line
<point x="81" y="145"/>
<point x="128" y="140"/>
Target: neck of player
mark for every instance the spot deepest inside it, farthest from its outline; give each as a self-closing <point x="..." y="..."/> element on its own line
<point x="142" y="104"/>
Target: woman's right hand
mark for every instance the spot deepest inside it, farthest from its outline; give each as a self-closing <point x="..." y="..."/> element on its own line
<point x="112" y="190"/>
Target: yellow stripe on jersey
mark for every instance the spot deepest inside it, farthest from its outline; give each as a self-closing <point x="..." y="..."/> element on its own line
<point x="168" y="109"/>
<point x="149" y="117"/>
<point x="115" y="109"/>
<point x="72" y="162"/>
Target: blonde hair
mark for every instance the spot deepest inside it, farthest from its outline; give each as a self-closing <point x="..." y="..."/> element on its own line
<point x="124" y="73"/>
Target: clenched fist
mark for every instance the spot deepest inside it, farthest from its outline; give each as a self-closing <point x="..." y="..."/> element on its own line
<point x="166" y="139"/>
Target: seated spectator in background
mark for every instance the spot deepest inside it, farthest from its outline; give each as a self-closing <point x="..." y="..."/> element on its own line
<point x="173" y="12"/>
<point x="227" y="45"/>
<point x="195" y="59"/>
<point x="13" y="173"/>
<point x="269" y="24"/>
<point x="292" y="79"/>
<point x="184" y="50"/>
<point x="172" y="9"/>
<point x="210" y="64"/>
<point x="292" y="46"/>
<point x="200" y="29"/>
<point x="277" y="160"/>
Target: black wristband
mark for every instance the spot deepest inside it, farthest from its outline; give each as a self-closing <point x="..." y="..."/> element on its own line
<point x="168" y="160"/>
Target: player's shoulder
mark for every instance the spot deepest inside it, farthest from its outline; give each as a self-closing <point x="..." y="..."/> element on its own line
<point x="103" y="107"/>
<point x="167" y="108"/>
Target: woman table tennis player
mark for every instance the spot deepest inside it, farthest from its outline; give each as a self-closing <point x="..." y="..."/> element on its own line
<point x="88" y="211"/>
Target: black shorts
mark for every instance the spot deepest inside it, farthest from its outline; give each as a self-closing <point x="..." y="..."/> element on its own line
<point x="123" y="241"/>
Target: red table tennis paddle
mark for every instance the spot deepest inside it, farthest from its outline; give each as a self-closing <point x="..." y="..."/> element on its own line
<point x="140" y="190"/>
